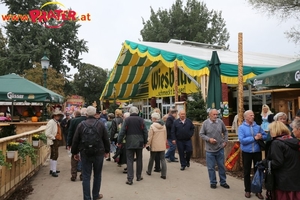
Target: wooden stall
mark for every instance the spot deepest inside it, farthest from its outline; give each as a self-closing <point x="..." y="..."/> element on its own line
<point x="285" y="100"/>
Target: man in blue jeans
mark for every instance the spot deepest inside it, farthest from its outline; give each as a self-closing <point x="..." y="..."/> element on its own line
<point x="215" y="134"/>
<point x="91" y="158"/>
<point x="170" y="155"/>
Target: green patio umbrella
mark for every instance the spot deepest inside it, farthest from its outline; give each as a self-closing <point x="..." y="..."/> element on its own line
<point x="214" y="95"/>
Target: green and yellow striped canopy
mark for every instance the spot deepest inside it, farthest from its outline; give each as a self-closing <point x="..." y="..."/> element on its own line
<point x="130" y="76"/>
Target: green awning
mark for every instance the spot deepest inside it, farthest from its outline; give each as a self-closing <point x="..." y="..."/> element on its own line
<point x="283" y="76"/>
<point x="16" y="88"/>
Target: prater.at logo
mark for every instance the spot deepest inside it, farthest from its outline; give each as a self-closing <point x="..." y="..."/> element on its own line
<point x="12" y="95"/>
<point x="297" y="76"/>
<point x="51" y="18"/>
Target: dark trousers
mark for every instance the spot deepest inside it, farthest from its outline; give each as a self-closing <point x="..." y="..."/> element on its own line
<point x="248" y="158"/>
<point x="185" y="150"/>
<point x="139" y="163"/>
<point x="54" y="150"/>
<point x="74" y="164"/>
<point x="157" y="162"/>
<point x="94" y="163"/>
<point x="161" y="156"/>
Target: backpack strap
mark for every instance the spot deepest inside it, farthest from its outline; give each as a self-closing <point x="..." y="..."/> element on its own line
<point x="86" y="126"/>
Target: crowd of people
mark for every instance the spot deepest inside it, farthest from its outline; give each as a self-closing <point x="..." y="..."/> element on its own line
<point x="91" y="136"/>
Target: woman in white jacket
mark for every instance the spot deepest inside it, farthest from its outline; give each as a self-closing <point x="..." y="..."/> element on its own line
<point x="157" y="139"/>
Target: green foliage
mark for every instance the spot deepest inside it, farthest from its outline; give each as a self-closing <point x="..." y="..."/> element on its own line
<point x="193" y="22"/>
<point x="3" y="161"/>
<point x="89" y="82"/>
<point x="112" y="107"/>
<point x="30" y="41"/>
<point x="283" y="10"/>
<point x="8" y="131"/>
<point x="55" y="80"/>
<point x="196" y="108"/>
<point x="43" y="138"/>
<point x="25" y="149"/>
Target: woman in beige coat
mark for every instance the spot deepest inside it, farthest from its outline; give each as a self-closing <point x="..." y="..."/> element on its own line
<point x="157" y="138"/>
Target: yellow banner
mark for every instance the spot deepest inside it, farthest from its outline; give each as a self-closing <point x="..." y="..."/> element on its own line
<point x="162" y="82"/>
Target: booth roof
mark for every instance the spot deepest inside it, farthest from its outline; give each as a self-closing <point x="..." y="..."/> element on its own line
<point x="16" y="88"/>
<point x="128" y="79"/>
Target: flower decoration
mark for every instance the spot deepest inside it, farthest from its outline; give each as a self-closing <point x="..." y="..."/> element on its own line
<point x="13" y="146"/>
<point x="35" y="137"/>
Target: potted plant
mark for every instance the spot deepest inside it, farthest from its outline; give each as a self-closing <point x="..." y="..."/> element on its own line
<point x="35" y="140"/>
<point x="3" y="161"/>
<point x="12" y="150"/>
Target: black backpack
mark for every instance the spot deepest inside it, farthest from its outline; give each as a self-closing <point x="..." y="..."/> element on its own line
<point x="90" y="139"/>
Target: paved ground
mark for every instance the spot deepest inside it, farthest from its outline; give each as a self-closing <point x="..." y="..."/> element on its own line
<point x="191" y="184"/>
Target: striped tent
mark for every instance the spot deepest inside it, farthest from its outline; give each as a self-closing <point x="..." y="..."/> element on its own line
<point x="129" y="78"/>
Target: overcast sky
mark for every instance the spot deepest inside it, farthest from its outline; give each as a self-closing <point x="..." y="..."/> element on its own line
<point x="113" y="22"/>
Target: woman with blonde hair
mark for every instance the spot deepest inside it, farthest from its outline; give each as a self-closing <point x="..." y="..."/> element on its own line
<point x="285" y="163"/>
<point x="265" y="112"/>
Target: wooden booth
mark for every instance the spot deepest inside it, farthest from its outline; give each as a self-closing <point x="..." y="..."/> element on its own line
<point x="285" y="100"/>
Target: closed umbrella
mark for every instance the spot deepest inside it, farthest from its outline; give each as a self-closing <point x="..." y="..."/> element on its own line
<point x="214" y="95"/>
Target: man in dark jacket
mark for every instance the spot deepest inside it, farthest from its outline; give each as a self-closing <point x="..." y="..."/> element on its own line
<point x="73" y="125"/>
<point x="136" y="133"/>
<point x="181" y="133"/>
<point x="170" y="155"/>
<point x="94" y="161"/>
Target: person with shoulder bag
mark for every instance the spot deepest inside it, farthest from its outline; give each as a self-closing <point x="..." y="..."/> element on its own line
<point x="249" y="134"/>
<point x="283" y="180"/>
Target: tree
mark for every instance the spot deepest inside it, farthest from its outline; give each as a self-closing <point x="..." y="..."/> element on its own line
<point x="3" y="54"/>
<point x="55" y="81"/>
<point x="196" y="108"/>
<point x="193" y="22"/>
<point x="89" y="82"/>
<point x="283" y="9"/>
<point x="31" y="41"/>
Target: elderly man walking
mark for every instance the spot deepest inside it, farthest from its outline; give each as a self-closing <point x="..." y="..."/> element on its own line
<point x="91" y="140"/>
<point x="215" y="134"/>
<point x="135" y="131"/>
<point x="181" y="133"/>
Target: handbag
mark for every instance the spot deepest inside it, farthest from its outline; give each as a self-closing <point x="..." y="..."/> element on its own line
<point x="262" y="144"/>
<point x="269" y="178"/>
<point x="256" y="184"/>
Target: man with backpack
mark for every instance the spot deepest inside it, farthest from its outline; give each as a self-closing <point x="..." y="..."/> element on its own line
<point x="91" y="140"/>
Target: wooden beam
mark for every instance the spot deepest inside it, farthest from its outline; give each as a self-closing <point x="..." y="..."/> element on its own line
<point x="240" y="79"/>
<point x="176" y="81"/>
<point x="276" y="90"/>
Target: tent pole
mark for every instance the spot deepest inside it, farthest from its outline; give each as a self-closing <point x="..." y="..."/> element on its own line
<point x="176" y="81"/>
<point x="190" y="77"/>
<point x="250" y="96"/>
<point x="240" y="78"/>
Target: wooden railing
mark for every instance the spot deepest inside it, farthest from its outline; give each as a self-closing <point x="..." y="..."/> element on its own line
<point x="10" y="179"/>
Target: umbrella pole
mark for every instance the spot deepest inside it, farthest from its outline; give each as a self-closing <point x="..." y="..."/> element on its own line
<point x="176" y="81"/>
<point x="240" y="79"/>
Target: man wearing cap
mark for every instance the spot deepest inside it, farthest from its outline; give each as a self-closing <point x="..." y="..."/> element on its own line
<point x="93" y="162"/>
<point x="135" y="131"/>
<point x="53" y="134"/>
